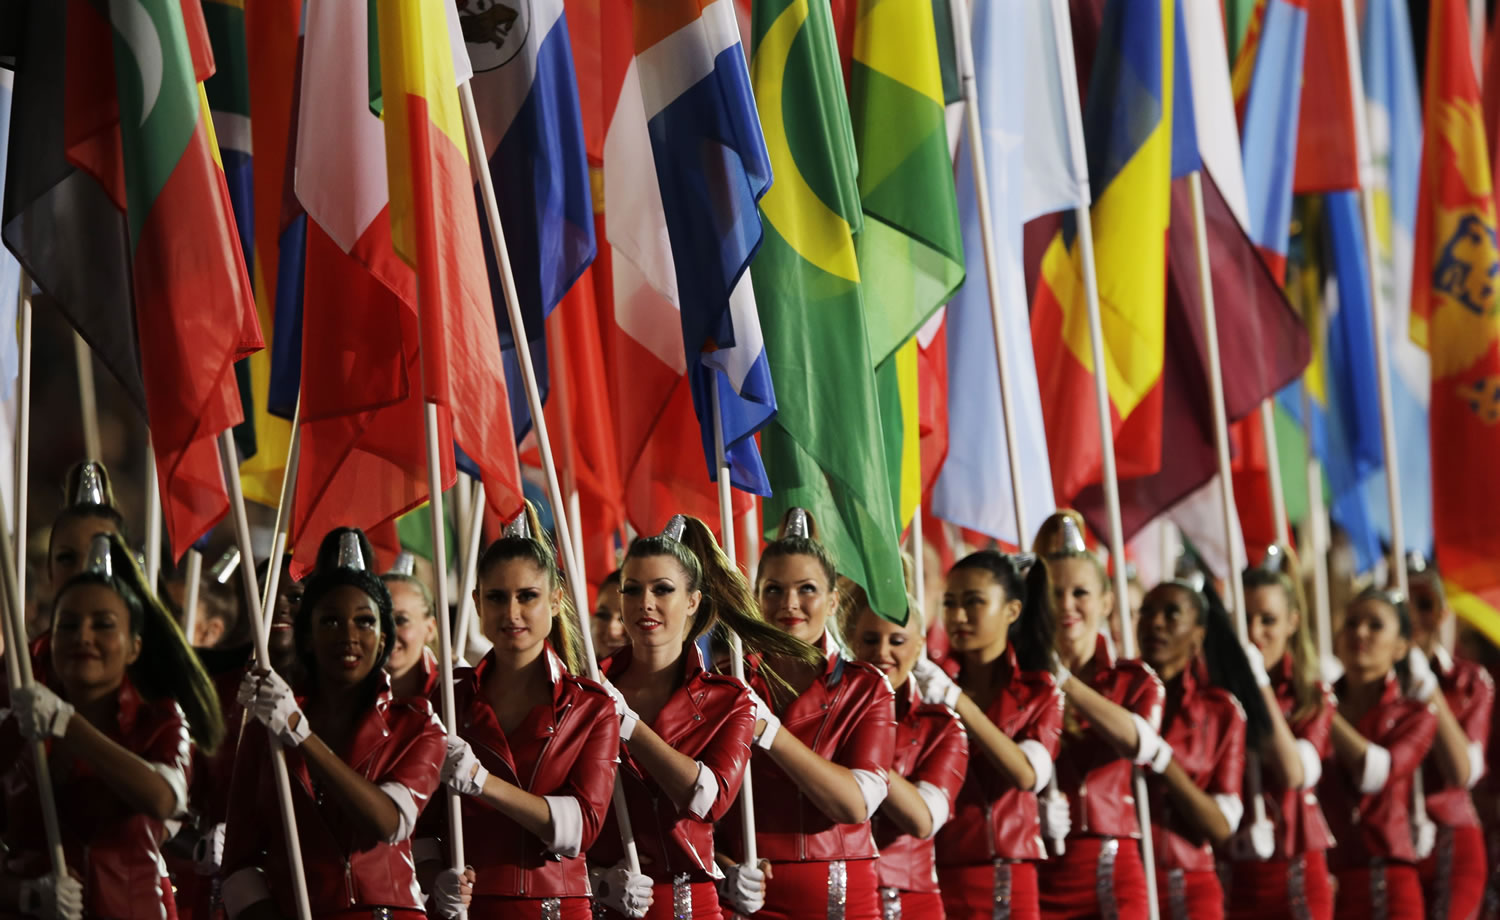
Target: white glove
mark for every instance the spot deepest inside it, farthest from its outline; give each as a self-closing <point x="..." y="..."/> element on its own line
<point x="40" y="713"/>
<point x="628" y="718"/>
<point x="451" y="891"/>
<point x="1331" y="669"/>
<point x="764" y="714"/>
<point x="462" y="771"/>
<point x="1424" y="837"/>
<point x="1057" y="816"/>
<point x="52" y="897"/>
<point x="1257" y="665"/>
<point x="1161" y="758"/>
<point x="933" y="683"/>
<point x="1254" y="841"/>
<point x="1423" y="683"/>
<point x="1060" y="674"/>
<point x="273" y="705"/>
<point x="208" y="852"/>
<point x="743" y="888"/>
<point x="619" y="888"/>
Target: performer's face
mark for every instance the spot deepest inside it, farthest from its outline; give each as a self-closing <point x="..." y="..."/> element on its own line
<point x="92" y="642"/>
<point x="1370" y="642"/>
<point x="891" y="648"/>
<point x="281" y="639"/>
<point x="608" y="622"/>
<point x="1428" y="609"/>
<point x="1170" y="631"/>
<point x="1273" y="622"/>
<point x="977" y="613"/>
<point x="516" y="605"/>
<point x="346" y="638"/>
<point x="1080" y="603"/>
<point x="415" y="627"/>
<point x="69" y="551"/>
<point x="796" y="596"/>
<point x="658" y="602"/>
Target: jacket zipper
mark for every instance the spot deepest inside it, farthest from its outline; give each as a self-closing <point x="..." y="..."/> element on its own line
<point x="540" y="755"/>
<point x="801" y="799"/>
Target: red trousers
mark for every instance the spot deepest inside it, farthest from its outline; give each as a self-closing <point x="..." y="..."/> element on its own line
<point x="493" y="907"/>
<point x="1189" y="895"/>
<point x="702" y="903"/>
<point x="976" y="892"/>
<point x="805" y="890"/>
<point x="1295" y="888"/>
<point x="1097" y="877"/>
<point x="1453" y="877"/>
<point x="1391" y="891"/>
<point x="896" y="904"/>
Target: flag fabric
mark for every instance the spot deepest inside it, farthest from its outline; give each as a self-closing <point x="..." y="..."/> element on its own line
<point x="526" y="97"/>
<point x="1454" y="317"/>
<point x="1030" y="172"/>
<point x="711" y="169"/>
<point x="1393" y="104"/>
<point x="434" y="224"/>
<point x="10" y="269"/>
<point x="1327" y="153"/>
<point x="1128" y="121"/>
<point x="823" y="451"/>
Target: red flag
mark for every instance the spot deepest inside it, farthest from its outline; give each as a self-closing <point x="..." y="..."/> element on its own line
<point x="1327" y="160"/>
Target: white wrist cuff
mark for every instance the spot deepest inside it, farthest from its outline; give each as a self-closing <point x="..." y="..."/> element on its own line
<point x="705" y="791"/>
<point x="873" y="787"/>
<point x="426" y="849"/>
<point x="937" y="806"/>
<point x="1312" y="764"/>
<point x="1041" y="763"/>
<point x="565" y="826"/>
<point x="1476" y="763"/>
<point x="1146" y="741"/>
<point x="244" y="889"/>
<point x="1377" y="770"/>
<point x="176" y="777"/>
<point x="406" y="810"/>
<point x="768" y="734"/>
<point x="1232" y="807"/>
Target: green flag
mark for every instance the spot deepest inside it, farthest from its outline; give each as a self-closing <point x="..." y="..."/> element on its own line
<point x="825" y="449"/>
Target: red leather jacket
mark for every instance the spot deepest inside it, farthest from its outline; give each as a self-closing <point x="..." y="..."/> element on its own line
<point x="1095" y="777"/>
<point x="1378" y="826"/>
<point x="993" y="818"/>
<point x="1470" y="693"/>
<point x="847" y="716"/>
<point x="1300" y="825"/>
<point x="566" y="748"/>
<point x="709" y="718"/>
<point x="396" y="741"/>
<point x="1206" y="728"/>
<point x="114" y="848"/>
<point x="932" y="747"/>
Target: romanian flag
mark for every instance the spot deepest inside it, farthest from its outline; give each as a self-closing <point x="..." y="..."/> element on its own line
<point x="1128" y="132"/>
<point x="435" y="226"/>
<point x="1455" y="316"/>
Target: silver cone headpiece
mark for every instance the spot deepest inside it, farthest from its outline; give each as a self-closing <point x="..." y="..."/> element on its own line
<point x="1275" y="559"/>
<point x="1023" y="561"/>
<point x="798" y="525"/>
<point x="674" y="529"/>
<point x="350" y="554"/>
<point x="90" y="489"/>
<point x="1416" y="563"/>
<point x="100" y="561"/>
<point x="405" y="564"/>
<point x="1070" y="538"/>
<point x="519" y="528"/>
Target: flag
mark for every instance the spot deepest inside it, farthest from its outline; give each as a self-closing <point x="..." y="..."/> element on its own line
<point x="1128" y="121"/>
<point x="435" y="228"/>
<point x="711" y="169"/>
<point x="1395" y="117"/>
<point x="526" y="97"/>
<point x="1327" y="155"/>
<point x="1454" y="316"/>
<point x="10" y="269"/>
<point x="1031" y="172"/>
<point x="824" y="450"/>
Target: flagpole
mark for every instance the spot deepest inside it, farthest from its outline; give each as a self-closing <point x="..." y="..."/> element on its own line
<point x="191" y="587"/>
<point x="1377" y="311"/>
<point x="963" y="45"/>
<point x="153" y="517"/>
<point x="1267" y="414"/>
<point x="283" y="518"/>
<point x="736" y="647"/>
<point x="23" y="430"/>
<point x="750" y="521"/>
<point x="1317" y="517"/>
<point x="88" y="405"/>
<point x="228" y="461"/>
<point x="919" y="560"/>
<point x="469" y="572"/>
<point x="539" y="424"/>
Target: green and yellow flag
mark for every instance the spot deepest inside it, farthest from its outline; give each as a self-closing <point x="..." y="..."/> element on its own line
<point x="825" y="450"/>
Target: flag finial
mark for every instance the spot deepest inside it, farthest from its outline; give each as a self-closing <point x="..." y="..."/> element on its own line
<point x="518" y="528"/>
<point x="674" y="529"/>
<point x="350" y="555"/>
<point x="100" y="561"/>
<point x="405" y="564"/>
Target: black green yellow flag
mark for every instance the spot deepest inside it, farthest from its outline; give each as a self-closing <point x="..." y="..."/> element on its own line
<point x="825" y="450"/>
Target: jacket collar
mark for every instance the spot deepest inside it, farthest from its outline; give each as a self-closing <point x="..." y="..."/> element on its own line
<point x="130" y="703"/>
<point x="555" y="670"/>
<point x="1104" y="650"/>
<point x="833" y="670"/>
<point x="666" y="724"/>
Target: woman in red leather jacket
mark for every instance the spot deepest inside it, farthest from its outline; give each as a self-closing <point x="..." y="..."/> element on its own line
<point x="824" y="745"/>
<point x="1380" y="737"/>
<point x="413" y="667"/>
<point x="1110" y="723"/>
<point x="1453" y="874"/>
<point x="1287" y="875"/>
<point x="362" y="764"/>
<point x="118" y="704"/>
<point x="932" y="754"/>
<point x="999" y="622"/>
<point x="1196" y="801"/>
<point x="537" y="752"/>
<point x="685" y="731"/>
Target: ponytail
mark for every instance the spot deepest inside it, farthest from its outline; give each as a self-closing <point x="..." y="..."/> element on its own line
<point x="1031" y="635"/>
<point x="565" y="637"/>
<point x="1228" y="668"/>
<point x="167" y="667"/>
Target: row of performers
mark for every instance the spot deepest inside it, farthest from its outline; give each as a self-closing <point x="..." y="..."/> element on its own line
<point x="998" y="784"/>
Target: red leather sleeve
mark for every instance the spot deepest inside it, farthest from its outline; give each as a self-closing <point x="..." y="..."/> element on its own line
<point x="729" y="752"/>
<point x="1409" y="739"/>
<point x="167" y="740"/>
<point x="946" y="760"/>
<point x="1046" y="725"/>
<point x="872" y="744"/>
<point x="419" y="766"/>
<point x="1144" y="695"/>
<point x="1229" y="769"/>
<point x="591" y="778"/>
<point x="249" y="820"/>
<point x="1476" y="717"/>
<point x="1317" y="729"/>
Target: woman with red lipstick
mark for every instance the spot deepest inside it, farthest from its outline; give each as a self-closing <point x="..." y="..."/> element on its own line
<point x="932" y="753"/>
<point x="1196" y="803"/>
<point x="363" y="765"/>
<point x="1110" y="724"/>
<point x="996" y="609"/>
<point x="685" y="731"/>
<point x="118" y="705"/>
<point x="537" y="752"/>
<point x="1380" y="736"/>
<point x="825" y="740"/>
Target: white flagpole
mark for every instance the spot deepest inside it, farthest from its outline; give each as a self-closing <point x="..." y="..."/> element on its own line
<point x="1267" y="414"/>
<point x="1317" y="533"/>
<point x="283" y="518"/>
<point x="87" y="402"/>
<point x="229" y="463"/>
<point x="23" y="430"/>
<point x="153" y="517"/>
<point x="480" y="167"/>
<point x="751" y="522"/>
<point x="191" y="586"/>
<point x="469" y="573"/>
<point x="918" y="560"/>
<point x="736" y="647"/>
